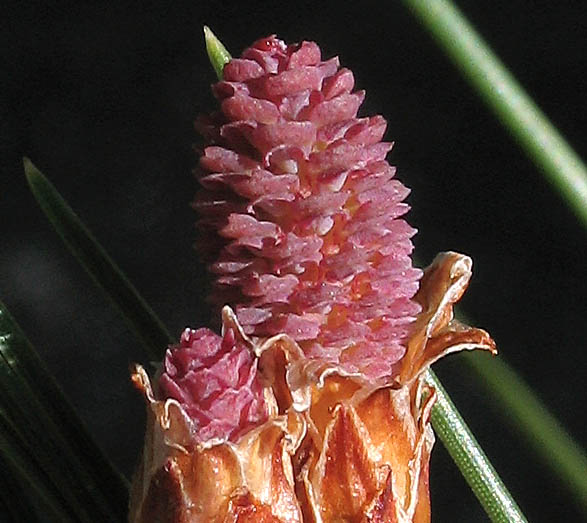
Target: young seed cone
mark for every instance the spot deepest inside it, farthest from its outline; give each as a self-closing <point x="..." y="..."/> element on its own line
<point x="300" y="213"/>
<point x="312" y="406"/>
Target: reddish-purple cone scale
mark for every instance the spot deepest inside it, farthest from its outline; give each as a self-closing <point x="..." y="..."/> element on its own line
<point x="300" y="211"/>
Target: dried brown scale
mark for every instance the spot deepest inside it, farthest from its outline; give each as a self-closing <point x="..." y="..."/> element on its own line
<point x="277" y="471"/>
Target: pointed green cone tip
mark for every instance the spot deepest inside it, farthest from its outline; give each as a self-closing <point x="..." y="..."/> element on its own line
<point x="217" y="53"/>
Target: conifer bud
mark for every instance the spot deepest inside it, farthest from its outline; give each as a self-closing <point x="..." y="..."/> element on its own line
<point x="312" y="406"/>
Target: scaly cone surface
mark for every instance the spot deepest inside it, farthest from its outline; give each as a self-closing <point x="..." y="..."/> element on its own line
<point x="215" y="381"/>
<point x="300" y="211"/>
<point x="312" y="406"/>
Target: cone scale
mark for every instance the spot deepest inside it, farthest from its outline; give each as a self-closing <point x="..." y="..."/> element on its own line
<point x="311" y="404"/>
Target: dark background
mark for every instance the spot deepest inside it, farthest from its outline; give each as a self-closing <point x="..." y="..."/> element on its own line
<point x="102" y="99"/>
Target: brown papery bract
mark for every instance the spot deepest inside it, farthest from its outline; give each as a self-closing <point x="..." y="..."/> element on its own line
<point x="335" y="447"/>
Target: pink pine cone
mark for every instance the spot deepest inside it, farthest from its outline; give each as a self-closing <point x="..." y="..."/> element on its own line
<point x="300" y="211"/>
<point x="313" y="405"/>
<point x="215" y="381"/>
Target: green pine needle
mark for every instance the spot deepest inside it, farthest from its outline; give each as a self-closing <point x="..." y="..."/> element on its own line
<point x="17" y="501"/>
<point x="470" y="458"/>
<point x="103" y="270"/>
<point x="530" y="127"/>
<point x="18" y="468"/>
<point x="40" y="430"/>
<point x="528" y="416"/>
